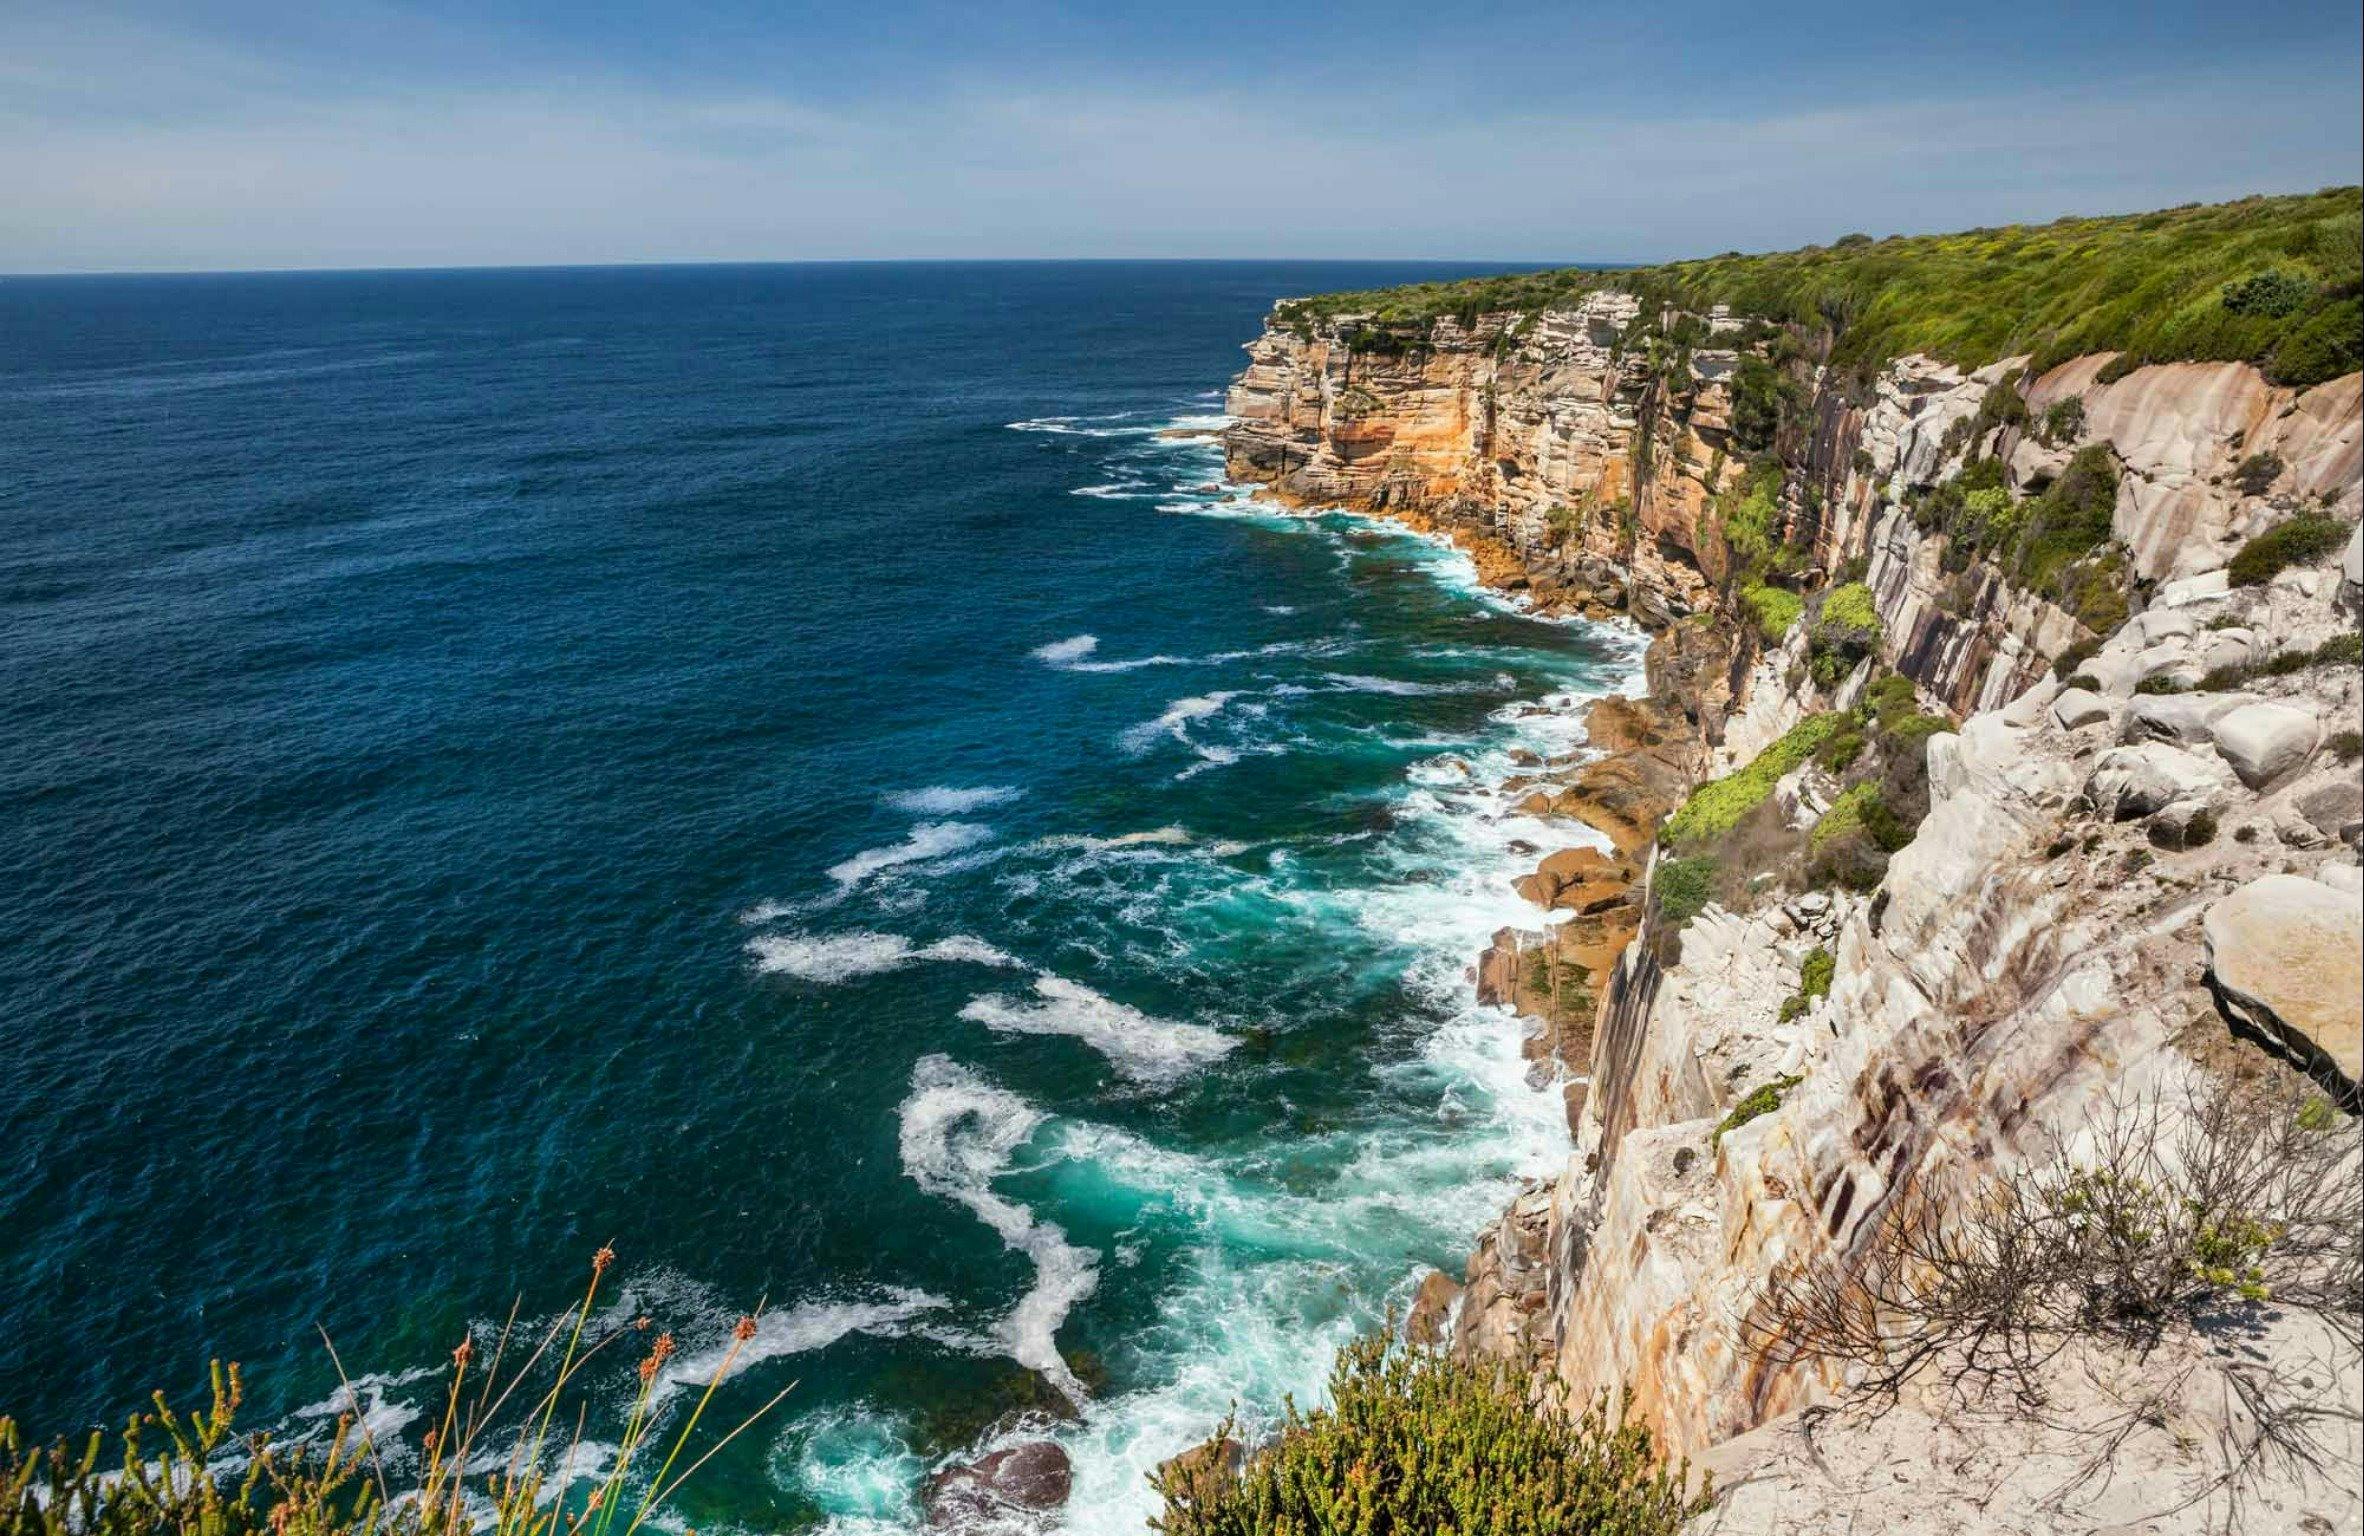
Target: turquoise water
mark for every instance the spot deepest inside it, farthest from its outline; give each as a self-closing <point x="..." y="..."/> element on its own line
<point x="796" y="772"/>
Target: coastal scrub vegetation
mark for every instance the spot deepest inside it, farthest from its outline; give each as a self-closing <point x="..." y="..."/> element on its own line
<point x="2057" y="543"/>
<point x="2274" y="281"/>
<point x="1845" y="629"/>
<point x="505" y="1457"/>
<point x="1415" y="1441"/>
<point x="1715" y="807"/>
<point x="2195" y="1216"/>
<point x="2302" y="540"/>
<point x="1763" y="1099"/>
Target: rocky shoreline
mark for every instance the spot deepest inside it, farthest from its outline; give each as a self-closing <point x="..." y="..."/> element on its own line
<point x="2096" y="795"/>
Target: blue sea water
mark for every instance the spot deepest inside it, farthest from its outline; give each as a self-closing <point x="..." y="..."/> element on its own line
<point x="804" y="774"/>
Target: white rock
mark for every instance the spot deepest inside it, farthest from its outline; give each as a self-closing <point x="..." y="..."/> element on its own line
<point x="2080" y="707"/>
<point x="2185" y="718"/>
<point x="2286" y="956"/>
<point x="2342" y="876"/>
<point x="2194" y="589"/>
<point x="2265" y="741"/>
<point x="2134" y="781"/>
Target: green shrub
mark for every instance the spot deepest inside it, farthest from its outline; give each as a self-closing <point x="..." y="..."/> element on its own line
<point x="2161" y="683"/>
<point x="1815" y="974"/>
<point x="1916" y="728"/>
<point x="1715" y="807"/>
<point x="1750" y="516"/>
<point x="2274" y="292"/>
<point x="2069" y="521"/>
<point x="1846" y="813"/>
<point x="2066" y="663"/>
<point x="2063" y="423"/>
<point x="2347" y="746"/>
<point x="1888" y="697"/>
<point x="1760" y="1100"/>
<point x="2343" y="649"/>
<point x="1839" y="752"/>
<point x="2257" y="473"/>
<point x="2302" y="540"/>
<point x="1562" y="521"/>
<point x="2000" y="406"/>
<point x="1683" y="888"/>
<point x="1846" y="629"/>
<point x="1414" y="1442"/>
<point x="1763" y="397"/>
<point x="2323" y="346"/>
<point x="1775" y="609"/>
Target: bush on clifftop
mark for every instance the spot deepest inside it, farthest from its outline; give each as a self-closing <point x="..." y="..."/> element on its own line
<point x="1415" y="1442"/>
<point x="2267" y="280"/>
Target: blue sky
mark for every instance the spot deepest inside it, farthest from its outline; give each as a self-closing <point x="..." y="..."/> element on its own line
<point x="205" y="134"/>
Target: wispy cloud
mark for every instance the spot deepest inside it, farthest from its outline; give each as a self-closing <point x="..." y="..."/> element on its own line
<point x="126" y="147"/>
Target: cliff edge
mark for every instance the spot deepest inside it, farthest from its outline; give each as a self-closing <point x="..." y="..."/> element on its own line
<point x="1991" y="827"/>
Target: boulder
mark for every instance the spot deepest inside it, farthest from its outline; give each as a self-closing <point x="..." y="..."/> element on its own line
<point x="1196" y="1474"/>
<point x="2265" y="741"/>
<point x="1032" y="1478"/>
<point x="2135" y="781"/>
<point x="2183" y="718"/>
<point x="2285" y="959"/>
<point x="1498" y="971"/>
<point x="984" y="1494"/>
<point x="2333" y="807"/>
<point x="2077" y="708"/>
<point x="2184" y="824"/>
<point x="2194" y="589"/>
<point x="1432" y="1310"/>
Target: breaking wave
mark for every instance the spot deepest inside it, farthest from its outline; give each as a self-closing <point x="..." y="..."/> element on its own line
<point x="1142" y="1047"/>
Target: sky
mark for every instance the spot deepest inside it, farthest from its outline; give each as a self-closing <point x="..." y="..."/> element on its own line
<point x="220" y="134"/>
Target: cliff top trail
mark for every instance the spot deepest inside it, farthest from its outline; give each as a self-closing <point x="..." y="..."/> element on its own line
<point x="2001" y="744"/>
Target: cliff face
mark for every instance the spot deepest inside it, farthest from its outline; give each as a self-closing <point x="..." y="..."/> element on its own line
<point x="1588" y="477"/>
<point x="2041" y="949"/>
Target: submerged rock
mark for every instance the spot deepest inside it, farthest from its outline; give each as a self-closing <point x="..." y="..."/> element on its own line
<point x="1033" y="1478"/>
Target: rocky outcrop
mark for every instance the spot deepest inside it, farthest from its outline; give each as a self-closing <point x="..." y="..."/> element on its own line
<point x="1016" y="1488"/>
<point x="2102" y="863"/>
<point x="2286" y="959"/>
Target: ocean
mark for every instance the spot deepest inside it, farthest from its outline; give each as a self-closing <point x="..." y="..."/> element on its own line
<point x="804" y="774"/>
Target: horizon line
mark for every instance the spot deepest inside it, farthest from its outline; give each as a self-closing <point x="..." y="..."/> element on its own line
<point x="464" y="268"/>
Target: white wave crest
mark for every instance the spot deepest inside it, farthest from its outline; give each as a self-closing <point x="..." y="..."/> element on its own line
<point x="838" y="957"/>
<point x="951" y="799"/>
<point x="958" y="1133"/>
<point x="1175" y="723"/>
<point x="928" y="840"/>
<point x="1155" y="837"/>
<point x="1061" y="652"/>
<point x="1141" y="1046"/>
<point x="796" y="1330"/>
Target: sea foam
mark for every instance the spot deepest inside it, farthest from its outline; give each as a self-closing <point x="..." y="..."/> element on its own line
<point x="838" y="957"/>
<point x="1141" y="1046"/>
<point x="928" y="840"/>
<point x="951" y="799"/>
<point x="958" y="1133"/>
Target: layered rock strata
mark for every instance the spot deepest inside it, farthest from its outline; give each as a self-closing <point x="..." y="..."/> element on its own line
<point x="2114" y="864"/>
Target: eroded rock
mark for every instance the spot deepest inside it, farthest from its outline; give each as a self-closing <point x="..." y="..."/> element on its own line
<point x="2265" y="741"/>
<point x="2286" y="959"/>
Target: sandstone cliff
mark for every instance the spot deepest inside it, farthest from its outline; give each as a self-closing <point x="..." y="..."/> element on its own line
<point x="2141" y="819"/>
